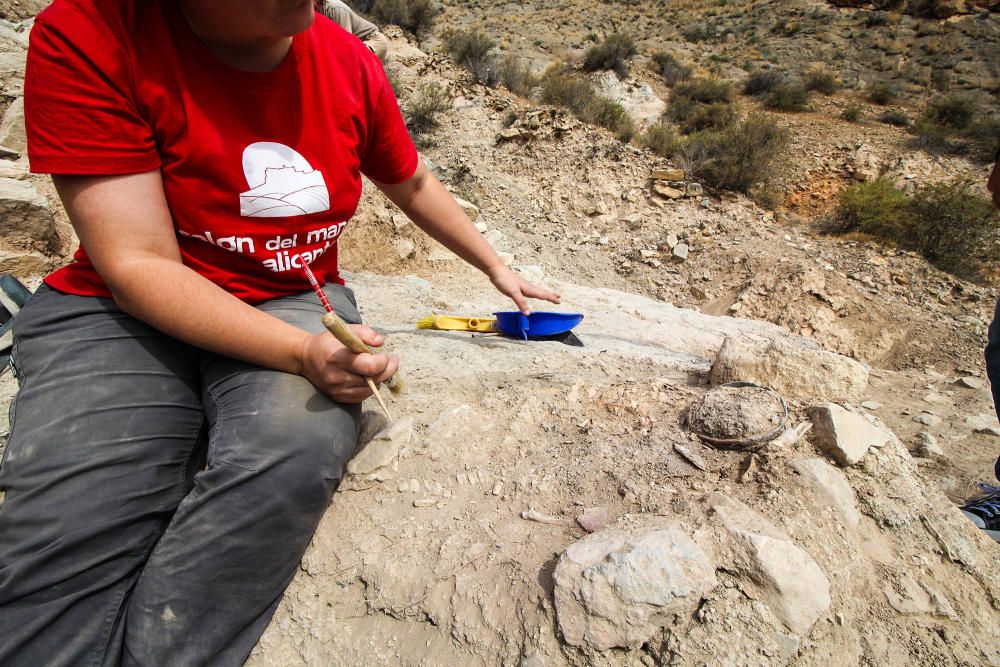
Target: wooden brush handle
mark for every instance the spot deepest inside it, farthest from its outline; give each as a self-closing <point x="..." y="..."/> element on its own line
<point x="342" y="332"/>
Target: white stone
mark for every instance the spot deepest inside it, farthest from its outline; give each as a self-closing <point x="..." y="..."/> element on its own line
<point x="831" y="486"/>
<point x="843" y="435"/>
<point x="616" y="588"/>
<point x="12" y="72"/>
<point x="795" y="370"/>
<point x="928" y="447"/>
<point x="927" y="419"/>
<point x="404" y="247"/>
<point x="791" y="583"/>
<point x="680" y="251"/>
<point x="970" y="382"/>
<point x="12" y="132"/>
<point x="871" y="405"/>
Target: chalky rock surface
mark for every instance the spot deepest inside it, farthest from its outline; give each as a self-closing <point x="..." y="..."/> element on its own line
<point x="616" y="588"/>
<point x="831" y="486"/>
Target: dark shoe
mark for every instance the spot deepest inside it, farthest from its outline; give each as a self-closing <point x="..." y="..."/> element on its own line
<point x="984" y="510"/>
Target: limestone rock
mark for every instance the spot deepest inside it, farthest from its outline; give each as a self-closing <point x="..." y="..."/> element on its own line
<point x="404" y="247"/>
<point x="12" y="72"/>
<point x="593" y="519"/>
<point x="616" y="588"/>
<point x="16" y="169"/>
<point x="912" y="597"/>
<point x="25" y="217"/>
<point x="680" y="252"/>
<point x="790" y="581"/>
<point x="667" y="175"/>
<point x="831" y="486"/>
<point x="843" y="435"/>
<point x="795" y="370"/>
<point x="382" y="450"/>
<point x="970" y="382"/>
<point x="12" y="132"/>
<point x="469" y="208"/>
<point x="666" y="191"/>
<point x="927" y="419"/>
<point x="24" y="264"/>
<point x="928" y="447"/>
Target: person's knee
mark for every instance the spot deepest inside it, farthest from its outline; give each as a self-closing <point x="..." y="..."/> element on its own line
<point x="307" y="459"/>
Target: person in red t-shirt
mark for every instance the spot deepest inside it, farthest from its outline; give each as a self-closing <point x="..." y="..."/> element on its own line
<point x="183" y="419"/>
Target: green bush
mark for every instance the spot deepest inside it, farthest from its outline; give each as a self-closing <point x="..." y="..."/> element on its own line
<point x="612" y="54"/>
<point x="417" y="16"/>
<point x="851" y="113"/>
<point x="763" y="82"/>
<point x="710" y="116"/>
<point x="821" y="81"/>
<point x="790" y="95"/>
<point x="661" y="139"/>
<point x="894" y="118"/>
<point x="422" y="111"/>
<point x="881" y="93"/>
<point x="705" y="90"/>
<point x="671" y="69"/>
<point x="951" y="112"/>
<point x="984" y="136"/>
<point x="738" y="157"/>
<point x="875" y="207"/>
<point x="515" y="77"/>
<point x="954" y="228"/>
<point x="471" y="49"/>
<point x="578" y="95"/>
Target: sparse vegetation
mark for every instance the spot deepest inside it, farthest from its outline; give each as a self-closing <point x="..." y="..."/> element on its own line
<point x="422" y="112"/>
<point x="881" y="93"/>
<point x="737" y="157"/>
<point x="661" y="139"/>
<point x="957" y="122"/>
<point x="851" y="113"/>
<point x="671" y="69"/>
<point x="790" y="95"/>
<point x="578" y="95"/>
<point x="471" y="49"/>
<point x="949" y="224"/>
<point x="894" y="118"/>
<point x="821" y="81"/>
<point x="417" y="16"/>
<point x="762" y="82"/>
<point x="516" y="77"/>
<point x="611" y="54"/>
<point x="701" y="104"/>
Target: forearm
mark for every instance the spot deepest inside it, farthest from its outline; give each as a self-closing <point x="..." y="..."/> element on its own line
<point x="173" y="298"/>
<point x="432" y="208"/>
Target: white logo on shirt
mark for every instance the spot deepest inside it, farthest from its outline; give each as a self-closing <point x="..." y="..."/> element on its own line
<point x="282" y="183"/>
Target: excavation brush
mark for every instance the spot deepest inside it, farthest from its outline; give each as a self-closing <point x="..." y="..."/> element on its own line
<point x="342" y="332"/>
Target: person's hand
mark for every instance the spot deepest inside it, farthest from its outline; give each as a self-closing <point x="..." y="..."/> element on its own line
<point x="519" y="289"/>
<point x="340" y="373"/>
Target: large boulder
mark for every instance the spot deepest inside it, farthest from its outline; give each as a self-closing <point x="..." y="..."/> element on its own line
<point x="790" y="367"/>
<point x="616" y="588"/>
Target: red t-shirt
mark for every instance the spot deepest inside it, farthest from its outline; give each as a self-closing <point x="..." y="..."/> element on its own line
<point x="261" y="170"/>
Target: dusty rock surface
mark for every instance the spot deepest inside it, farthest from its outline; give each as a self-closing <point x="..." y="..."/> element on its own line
<point x="444" y="543"/>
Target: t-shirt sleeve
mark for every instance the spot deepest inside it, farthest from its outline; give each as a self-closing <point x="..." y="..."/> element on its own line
<point x="80" y="111"/>
<point x="390" y="157"/>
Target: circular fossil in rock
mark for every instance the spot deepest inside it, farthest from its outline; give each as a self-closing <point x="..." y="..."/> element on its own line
<point x="738" y="414"/>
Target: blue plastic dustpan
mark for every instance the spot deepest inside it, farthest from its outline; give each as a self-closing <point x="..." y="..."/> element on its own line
<point x="536" y="325"/>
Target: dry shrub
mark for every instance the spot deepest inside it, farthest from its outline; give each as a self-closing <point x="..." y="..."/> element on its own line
<point x="956" y="229"/>
<point x="671" y="69"/>
<point x="417" y="16"/>
<point x="737" y="157"/>
<point x="471" y="49"/>
<point x="611" y="54"/>
<point x="423" y="109"/>
<point x="821" y="81"/>
<point x="578" y="95"/>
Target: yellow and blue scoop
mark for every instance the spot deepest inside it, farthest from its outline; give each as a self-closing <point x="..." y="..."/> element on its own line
<point x="536" y="325"/>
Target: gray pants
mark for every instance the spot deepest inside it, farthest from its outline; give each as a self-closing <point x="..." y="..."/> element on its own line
<point x="158" y="497"/>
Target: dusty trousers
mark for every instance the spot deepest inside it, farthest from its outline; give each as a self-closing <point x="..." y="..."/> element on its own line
<point x="158" y="497"/>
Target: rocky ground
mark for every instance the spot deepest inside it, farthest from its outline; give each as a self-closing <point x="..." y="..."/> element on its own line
<point x="543" y="504"/>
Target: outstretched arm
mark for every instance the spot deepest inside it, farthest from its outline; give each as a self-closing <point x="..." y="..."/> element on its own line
<point x="433" y="209"/>
<point x="125" y="226"/>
